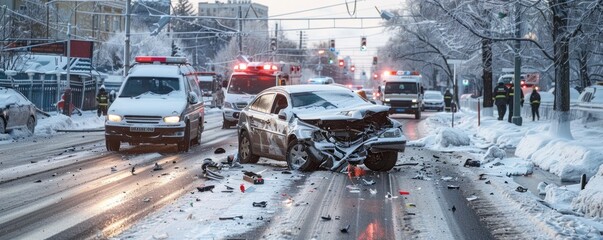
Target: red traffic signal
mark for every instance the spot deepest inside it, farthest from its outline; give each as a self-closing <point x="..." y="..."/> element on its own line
<point x="341" y="63"/>
<point x="375" y="76"/>
<point x="352" y="68"/>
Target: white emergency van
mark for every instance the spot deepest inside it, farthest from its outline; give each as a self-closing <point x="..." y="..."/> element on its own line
<point x="403" y="92"/>
<point x="248" y="79"/>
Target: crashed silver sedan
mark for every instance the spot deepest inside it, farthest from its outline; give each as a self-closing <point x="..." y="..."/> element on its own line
<point x="311" y="126"/>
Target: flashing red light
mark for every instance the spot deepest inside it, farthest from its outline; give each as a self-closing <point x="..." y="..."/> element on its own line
<point x="267" y="66"/>
<point x="159" y="59"/>
<point x="274" y="67"/>
<point x="387" y="73"/>
<point x="352" y="68"/>
<point x="341" y="63"/>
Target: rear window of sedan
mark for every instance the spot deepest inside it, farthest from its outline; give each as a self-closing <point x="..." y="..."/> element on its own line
<point x="326" y="100"/>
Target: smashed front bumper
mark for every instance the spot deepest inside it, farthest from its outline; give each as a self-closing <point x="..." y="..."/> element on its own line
<point x="334" y="155"/>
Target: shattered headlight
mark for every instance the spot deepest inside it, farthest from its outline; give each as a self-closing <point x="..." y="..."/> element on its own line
<point x="391" y="133"/>
<point x="306" y="133"/>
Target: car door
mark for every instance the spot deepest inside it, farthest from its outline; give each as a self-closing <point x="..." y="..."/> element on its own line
<point x="15" y="112"/>
<point x="278" y="127"/>
<point x="259" y="117"/>
<point x="195" y="110"/>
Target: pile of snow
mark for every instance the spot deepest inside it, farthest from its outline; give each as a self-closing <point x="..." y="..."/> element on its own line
<point x="534" y="145"/>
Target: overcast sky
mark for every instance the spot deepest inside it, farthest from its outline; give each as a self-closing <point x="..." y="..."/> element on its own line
<point x="347" y="41"/>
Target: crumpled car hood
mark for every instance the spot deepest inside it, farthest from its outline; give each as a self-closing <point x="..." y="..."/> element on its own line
<point x="349" y="113"/>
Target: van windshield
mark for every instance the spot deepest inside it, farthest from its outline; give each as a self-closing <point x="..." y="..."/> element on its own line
<point x="136" y="86"/>
<point x="250" y="84"/>
<point x="400" y="87"/>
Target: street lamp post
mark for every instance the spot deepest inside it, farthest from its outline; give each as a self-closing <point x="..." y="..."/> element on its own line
<point x="516" y="119"/>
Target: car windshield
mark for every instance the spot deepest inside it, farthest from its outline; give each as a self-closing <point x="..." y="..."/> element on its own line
<point x="250" y="84"/>
<point x="324" y="99"/>
<point x="136" y="86"/>
<point x="205" y="86"/>
<point x="400" y="87"/>
<point x="433" y="96"/>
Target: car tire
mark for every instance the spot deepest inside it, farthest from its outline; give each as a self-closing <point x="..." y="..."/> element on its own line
<point x="197" y="139"/>
<point x="185" y="144"/>
<point x="2" y="126"/>
<point x="31" y="125"/>
<point x="298" y="158"/>
<point x="112" y="145"/>
<point x="245" y="153"/>
<point x="225" y="123"/>
<point x="383" y="161"/>
<point x="418" y="115"/>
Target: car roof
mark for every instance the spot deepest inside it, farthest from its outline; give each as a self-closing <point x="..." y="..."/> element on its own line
<point x="155" y="70"/>
<point x="309" y="88"/>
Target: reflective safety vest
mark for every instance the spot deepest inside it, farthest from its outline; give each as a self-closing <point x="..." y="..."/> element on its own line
<point x="102" y="100"/>
<point x="535" y="101"/>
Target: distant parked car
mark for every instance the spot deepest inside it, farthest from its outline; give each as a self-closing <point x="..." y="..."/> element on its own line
<point x="433" y="100"/>
<point x="16" y="111"/>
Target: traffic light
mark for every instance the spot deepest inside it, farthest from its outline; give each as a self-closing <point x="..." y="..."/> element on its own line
<point x="330" y="60"/>
<point x="341" y="63"/>
<point x="352" y="68"/>
<point x="375" y="60"/>
<point x="175" y="49"/>
<point x="273" y="45"/>
<point x="363" y="44"/>
<point x="332" y="44"/>
<point x="465" y="82"/>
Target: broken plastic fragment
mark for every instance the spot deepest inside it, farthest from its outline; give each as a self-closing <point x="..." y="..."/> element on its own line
<point x="368" y="182"/>
<point x="326" y="218"/>
<point x="345" y="229"/>
<point x="404" y="192"/>
<point x="472" y="198"/>
<point x="373" y="191"/>
<point x="261" y="204"/>
<point x="206" y="188"/>
<point x="453" y="187"/>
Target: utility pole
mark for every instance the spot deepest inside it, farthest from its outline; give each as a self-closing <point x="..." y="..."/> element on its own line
<point x="276" y="38"/>
<point x="301" y="34"/>
<point x="240" y="31"/>
<point x="516" y="79"/>
<point x="127" y="46"/>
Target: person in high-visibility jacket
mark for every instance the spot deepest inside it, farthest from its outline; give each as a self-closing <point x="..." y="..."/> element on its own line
<point x="535" y="103"/>
<point x="500" y="99"/>
<point x="510" y="98"/>
<point x="103" y="101"/>
<point x="447" y="100"/>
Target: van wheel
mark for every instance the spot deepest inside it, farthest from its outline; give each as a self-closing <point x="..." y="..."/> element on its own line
<point x="112" y="145"/>
<point x="185" y="144"/>
<point x="197" y="139"/>
<point x="225" y="123"/>
<point x="298" y="158"/>
<point x="418" y="115"/>
<point x="245" y="150"/>
<point x="31" y="125"/>
<point x="383" y="161"/>
<point x="2" y="126"/>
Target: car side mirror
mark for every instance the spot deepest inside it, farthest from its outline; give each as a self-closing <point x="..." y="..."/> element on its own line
<point x="193" y="98"/>
<point x="282" y="115"/>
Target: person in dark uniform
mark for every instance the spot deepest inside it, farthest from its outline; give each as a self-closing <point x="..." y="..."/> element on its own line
<point x="535" y="103"/>
<point x="510" y="98"/>
<point x="447" y="100"/>
<point x="500" y="99"/>
<point x="102" y="98"/>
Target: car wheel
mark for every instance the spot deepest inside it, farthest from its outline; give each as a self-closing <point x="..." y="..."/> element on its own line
<point x="31" y="125"/>
<point x="418" y="115"/>
<point x="245" y="150"/>
<point x="197" y="139"/>
<point x="185" y="144"/>
<point x="112" y="145"/>
<point x="225" y="123"/>
<point x="2" y="126"/>
<point x="383" y="161"/>
<point x="298" y="158"/>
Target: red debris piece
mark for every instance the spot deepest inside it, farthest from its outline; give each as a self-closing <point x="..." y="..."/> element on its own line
<point x="242" y="188"/>
<point x="404" y="192"/>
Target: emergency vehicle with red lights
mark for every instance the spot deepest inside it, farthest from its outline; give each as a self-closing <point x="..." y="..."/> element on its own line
<point x="403" y="92"/>
<point x="248" y="79"/>
<point x="529" y="79"/>
<point x="159" y="102"/>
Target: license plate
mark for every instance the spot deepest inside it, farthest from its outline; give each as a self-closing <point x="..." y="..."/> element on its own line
<point x="400" y="109"/>
<point x="142" y="129"/>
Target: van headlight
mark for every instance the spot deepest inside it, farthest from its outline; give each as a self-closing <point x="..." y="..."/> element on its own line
<point x="171" y="119"/>
<point x="114" y="118"/>
<point x="414" y="100"/>
<point x="387" y="100"/>
<point x="391" y="133"/>
<point x="227" y="105"/>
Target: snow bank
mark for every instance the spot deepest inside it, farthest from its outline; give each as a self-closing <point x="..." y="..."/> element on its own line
<point x="50" y="125"/>
<point x="590" y="200"/>
<point x="567" y="160"/>
<point x="452" y="137"/>
<point x="493" y="153"/>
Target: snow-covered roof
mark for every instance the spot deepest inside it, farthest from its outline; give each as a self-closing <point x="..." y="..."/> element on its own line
<point x="51" y="63"/>
<point x="308" y="87"/>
